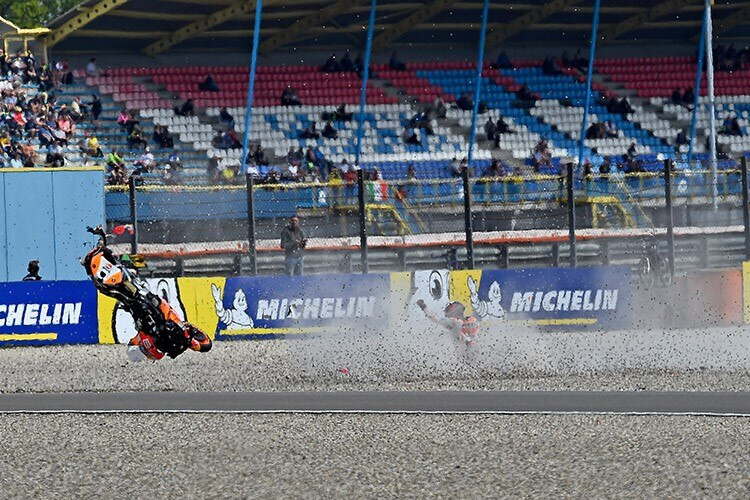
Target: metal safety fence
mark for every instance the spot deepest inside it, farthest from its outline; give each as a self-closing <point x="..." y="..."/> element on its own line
<point x="233" y="226"/>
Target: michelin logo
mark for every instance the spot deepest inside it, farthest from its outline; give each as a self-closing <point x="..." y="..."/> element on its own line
<point x="316" y="308"/>
<point x="68" y="313"/>
<point x="489" y="307"/>
<point x="235" y="318"/>
<point x="564" y="300"/>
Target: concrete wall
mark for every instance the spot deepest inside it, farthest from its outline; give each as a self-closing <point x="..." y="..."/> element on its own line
<point x="44" y="215"/>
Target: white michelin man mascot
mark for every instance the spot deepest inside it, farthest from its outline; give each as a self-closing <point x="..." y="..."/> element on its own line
<point x="489" y="307"/>
<point x="237" y="317"/>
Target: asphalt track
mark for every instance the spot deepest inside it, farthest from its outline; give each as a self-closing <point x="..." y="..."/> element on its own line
<point x="688" y="403"/>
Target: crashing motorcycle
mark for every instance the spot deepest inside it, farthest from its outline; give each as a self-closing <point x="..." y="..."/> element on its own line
<point x="160" y="330"/>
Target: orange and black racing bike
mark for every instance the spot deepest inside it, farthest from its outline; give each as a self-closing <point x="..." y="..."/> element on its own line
<point x="160" y="330"/>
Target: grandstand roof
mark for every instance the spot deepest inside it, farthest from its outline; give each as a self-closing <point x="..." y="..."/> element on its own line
<point x="157" y="26"/>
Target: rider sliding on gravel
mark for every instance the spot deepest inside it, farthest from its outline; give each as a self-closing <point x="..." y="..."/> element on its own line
<point x="464" y="328"/>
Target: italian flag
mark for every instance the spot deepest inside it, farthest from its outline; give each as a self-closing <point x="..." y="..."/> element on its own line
<point x="377" y="190"/>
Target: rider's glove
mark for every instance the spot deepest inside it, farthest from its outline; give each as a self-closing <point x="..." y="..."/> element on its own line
<point x="421" y="304"/>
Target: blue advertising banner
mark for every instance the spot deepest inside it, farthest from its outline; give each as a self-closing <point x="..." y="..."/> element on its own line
<point x="48" y="312"/>
<point x="557" y="296"/>
<point x="278" y="305"/>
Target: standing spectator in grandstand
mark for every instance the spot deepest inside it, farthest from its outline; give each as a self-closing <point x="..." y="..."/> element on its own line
<point x="688" y="98"/>
<point x="259" y="155"/>
<point x="331" y="65"/>
<point x="162" y="137"/>
<point x="525" y="95"/>
<point x="92" y="70"/>
<point x="225" y="118"/>
<point x="293" y="241"/>
<point x="208" y="85"/>
<point x="410" y="136"/>
<point x="96" y="107"/>
<point x="289" y="97"/>
<point x="624" y="107"/>
<point x="606" y="166"/>
<point x="465" y="103"/>
<point x="350" y="173"/>
<point x="503" y="61"/>
<point x="677" y="97"/>
<point x="93" y="148"/>
<point x="439" y="108"/>
<point x="395" y="63"/>
<point x="65" y="124"/>
<point x="213" y="169"/>
<point x="135" y="138"/>
<point x="125" y="120"/>
<point x="55" y="156"/>
<point x="549" y="66"/>
<point x="681" y="139"/>
<point x="632" y="151"/>
<point x="502" y="127"/>
<point x="75" y="111"/>
<point x="33" y="270"/>
<point x="490" y="129"/>
<point x="541" y="156"/>
<point x="588" y="169"/>
<point x="4" y="67"/>
<point x="187" y="109"/>
<point x="329" y="132"/>
<point x="411" y="174"/>
<point x="310" y="132"/>
<point x="341" y="115"/>
<point x="346" y="63"/>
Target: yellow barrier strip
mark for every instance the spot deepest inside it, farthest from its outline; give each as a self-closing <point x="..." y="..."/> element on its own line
<point x="272" y="331"/>
<point x="566" y="321"/>
<point x="27" y="336"/>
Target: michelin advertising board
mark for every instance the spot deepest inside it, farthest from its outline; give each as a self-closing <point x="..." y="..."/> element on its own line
<point x="48" y="312"/>
<point x="545" y="297"/>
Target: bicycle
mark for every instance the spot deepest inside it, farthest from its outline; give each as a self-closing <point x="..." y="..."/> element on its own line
<point x="653" y="267"/>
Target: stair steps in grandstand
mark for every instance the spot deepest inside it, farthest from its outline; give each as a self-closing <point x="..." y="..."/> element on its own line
<point x="409" y="216"/>
<point x="385" y="220"/>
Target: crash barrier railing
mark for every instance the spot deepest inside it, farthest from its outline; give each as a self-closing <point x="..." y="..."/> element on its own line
<point x="410" y="210"/>
<point x="259" y="307"/>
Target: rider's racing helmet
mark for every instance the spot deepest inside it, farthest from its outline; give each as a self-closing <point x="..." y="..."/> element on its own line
<point x="455" y="310"/>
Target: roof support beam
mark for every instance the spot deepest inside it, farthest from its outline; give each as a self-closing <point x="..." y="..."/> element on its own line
<point x="203" y="24"/>
<point x="524" y="21"/>
<point x="637" y="20"/>
<point x="306" y="23"/>
<point x="82" y="19"/>
<point x="733" y="20"/>
<point x="419" y="16"/>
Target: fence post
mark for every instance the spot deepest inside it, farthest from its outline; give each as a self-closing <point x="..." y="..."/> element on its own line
<point x="133" y="216"/>
<point x="467" y="219"/>
<point x="670" y="216"/>
<point x="571" y="217"/>
<point x="362" y="220"/>
<point x="251" y="224"/>
<point x="745" y="207"/>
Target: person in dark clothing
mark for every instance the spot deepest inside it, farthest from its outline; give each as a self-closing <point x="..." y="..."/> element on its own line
<point x="549" y="67"/>
<point x="688" y="97"/>
<point x="676" y="96"/>
<point x="96" y="107"/>
<point x="331" y="65"/>
<point x="465" y="103"/>
<point x="310" y="132"/>
<point x="502" y="127"/>
<point x="340" y="115"/>
<point x="524" y="94"/>
<point x="606" y="166"/>
<point x="289" y="97"/>
<point x="490" y="129"/>
<point x="681" y="138"/>
<point x="33" y="269"/>
<point x="208" y="85"/>
<point x="346" y="63"/>
<point x="329" y="132"/>
<point x="359" y="65"/>
<point x="395" y="64"/>
<point x="503" y="61"/>
<point x="187" y="109"/>
<point x="225" y="118"/>
<point x="293" y="241"/>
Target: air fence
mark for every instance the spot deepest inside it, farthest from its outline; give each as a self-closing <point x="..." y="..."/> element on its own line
<point x="459" y="223"/>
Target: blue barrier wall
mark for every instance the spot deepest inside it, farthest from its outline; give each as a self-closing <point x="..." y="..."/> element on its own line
<point x="44" y="216"/>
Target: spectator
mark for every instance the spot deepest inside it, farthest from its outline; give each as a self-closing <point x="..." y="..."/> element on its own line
<point x="145" y="162"/>
<point x="96" y="107"/>
<point x="439" y="108"/>
<point x="455" y="167"/>
<point x="731" y="126"/>
<point x="503" y="61"/>
<point x="624" y="107"/>
<point x="395" y="64"/>
<point x="605" y="167"/>
<point x="525" y="95"/>
<point x="541" y="156"/>
<point x="33" y="270"/>
<point x="187" y="109"/>
<point x="411" y="174"/>
<point x="359" y="65"/>
<point x="410" y="136"/>
<point x="293" y="241"/>
<point x="495" y="169"/>
<point x="341" y="115"/>
<point x="610" y="130"/>
<point x="114" y="160"/>
<point x="677" y="97"/>
<point x="91" y="69"/>
<point x="289" y="97"/>
<point x="260" y="156"/>
<point x="225" y="118"/>
<point x="350" y="173"/>
<point x="465" y="103"/>
<point x="208" y="85"/>
<point x="329" y="132"/>
<point x="162" y="137"/>
<point x="291" y="173"/>
<point x="490" y="129"/>
<point x="174" y="162"/>
<point x="76" y="113"/>
<point x="681" y="139"/>
<point x="331" y="66"/>
<point x="502" y="127"/>
<point x="65" y="124"/>
<point x="346" y="63"/>
<point x="55" y="156"/>
<point x="588" y="169"/>
<point x="213" y="170"/>
<point x="688" y="98"/>
<point x="310" y="132"/>
<point x="549" y="67"/>
<point x="135" y="138"/>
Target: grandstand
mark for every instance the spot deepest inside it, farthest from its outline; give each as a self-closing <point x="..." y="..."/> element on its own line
<point x="152" y="66"/>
